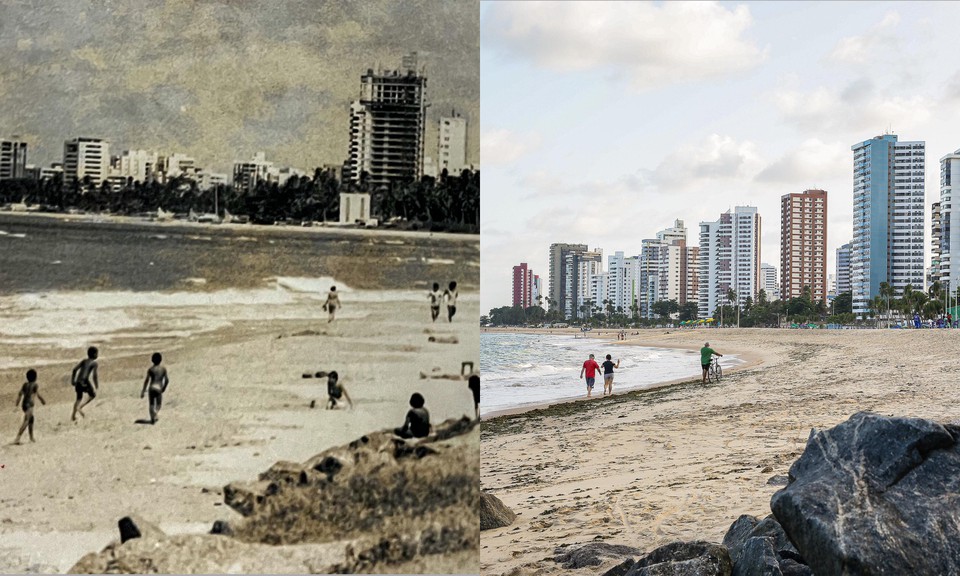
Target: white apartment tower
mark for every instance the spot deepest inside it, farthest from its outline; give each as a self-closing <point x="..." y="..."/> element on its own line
<point x="950" y="222"/>
<point x="768" y="281"/>
<point x="888" y="218"/>
<point x="580" y="267"/>
<point x="83" y="157"/>
<point x="729" y="258"/>
<point x="452" y="144"/>
<point x="13" y="158"/>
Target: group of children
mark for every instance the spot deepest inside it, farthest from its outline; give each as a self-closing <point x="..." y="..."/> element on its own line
<point x="85" y="382"/>
<point x="437" y="298"/>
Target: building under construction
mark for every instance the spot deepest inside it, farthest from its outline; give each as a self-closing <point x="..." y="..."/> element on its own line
<point x="387" y="126"/>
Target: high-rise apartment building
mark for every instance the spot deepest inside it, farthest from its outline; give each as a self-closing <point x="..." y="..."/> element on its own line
<point x="247" y="174"/>
<point x="86" y="157"/>
<point x="843" y="269"/>
<point x="387" y="126"/>
<point x="729" y="258"/>
<point x="803" y="244"/>
<point x="888" y="218"/>
<point x="768" y="281"/>
<point x="949" y="249"/>
<point x="935" y="271"/>
<point x="558" y="272"/>
<point x="13" y="158"/>
<point x="138" y="164"/>
<point x="525" y="286"/>
<point x="452" y="144"/>
<point x="580" y="289"/>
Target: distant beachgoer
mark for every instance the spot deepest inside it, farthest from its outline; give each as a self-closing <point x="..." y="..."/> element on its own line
<point x="916" y="320"/>
<point x="608" y="367"/>
<point x="25" y="400"/>
<point x="706" y="353"/>
<point x="436" y="298"/>
<point x="335" y="390"/>
<point x="417" y="423"/>
<point x="158" y="380"/>
<point x="332" y="303"/>
<point x="450" y="294"/>
<point x="590" y="368"/>
<point x="85" y="381"/>
<point x="474" y="385"/>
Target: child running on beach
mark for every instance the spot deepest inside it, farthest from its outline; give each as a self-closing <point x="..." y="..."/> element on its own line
<point x="25" y="400"/>
<point x="335" y="390"/>
<point x="451" y="296"/>
<point x="474" y="385"/>
<point x="608" y="367"/>
<point x="417" y="424"/>
<point x="158" y="380"/>
<point x="436" y="297"/>
<point x="84" y="380"/>
<point x="332" y="303"/>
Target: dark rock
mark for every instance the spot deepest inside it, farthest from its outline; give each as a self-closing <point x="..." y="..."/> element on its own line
<point x="758" y="558"/>
<point x="621" y="569"/>
<point x="778" y="480"/>
<point x="685" y="559"/>
<point x="747" y="527"/>
<point x="245" y="497"/>
<point x="592" y="554"/>
<point x="494" y="513"/>
<point x="128" y="530"/>
<point x="221" y="527"/>
<point x="789" y="567"/>
<point x="329" y="466"/>
<point x="876" y="495"/>
<point x="738" y="534"/>
<point x="770" y="528"/>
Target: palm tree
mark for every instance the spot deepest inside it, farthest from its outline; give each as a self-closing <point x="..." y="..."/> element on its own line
<point x="886" y="291"/>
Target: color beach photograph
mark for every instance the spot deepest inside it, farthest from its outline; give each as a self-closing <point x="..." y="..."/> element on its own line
<point x="239" y="286"/>
<point x="719" y="311"/>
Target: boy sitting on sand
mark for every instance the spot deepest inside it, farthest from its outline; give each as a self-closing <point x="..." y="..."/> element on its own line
<point x="158" y="380"/>
<point x="83" y="374"/>
<point x="25" y="399"/>
<point x="417" y="424"/>
<point x="335" y="390"/>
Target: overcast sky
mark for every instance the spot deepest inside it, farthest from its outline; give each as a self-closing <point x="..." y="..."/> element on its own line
<point x="605" y="122"/>
<point x="220" y="79"/>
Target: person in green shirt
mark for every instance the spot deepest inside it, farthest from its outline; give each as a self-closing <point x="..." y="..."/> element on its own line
<point x="705" y="354"/>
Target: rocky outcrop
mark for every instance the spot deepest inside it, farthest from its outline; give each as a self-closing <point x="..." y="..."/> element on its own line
<point x="759" y="547"/>
<point x="876" y="495"/>
<point x="684" y="559"/>
<point x="494" y="513"/>
<point x="376" y="502"/>
<point x="592" y="554"/>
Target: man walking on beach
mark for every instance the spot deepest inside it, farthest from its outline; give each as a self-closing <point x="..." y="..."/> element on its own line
<point x="590" y="368"/>
<point x="28" y="392"/>
<point x="706" y="353"/>
<point x="157" y="380"/>
<point x="332" y="303"/>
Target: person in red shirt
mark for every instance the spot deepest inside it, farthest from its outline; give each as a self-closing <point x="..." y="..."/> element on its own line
<point x="590" y="367"/>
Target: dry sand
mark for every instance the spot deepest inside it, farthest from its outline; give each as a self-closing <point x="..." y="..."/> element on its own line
<point x="236" y="404"/>
<point x="682" y="462"/>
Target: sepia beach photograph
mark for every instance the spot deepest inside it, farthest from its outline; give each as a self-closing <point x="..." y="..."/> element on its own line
<point x="718" y="293"/>
<point x="239" y="286"/>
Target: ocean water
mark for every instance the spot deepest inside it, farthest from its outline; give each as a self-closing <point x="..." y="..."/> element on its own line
<point x="133" y="287"/>
<point x="524" y="369"/>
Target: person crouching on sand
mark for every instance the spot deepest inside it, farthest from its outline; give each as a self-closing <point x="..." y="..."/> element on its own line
<point x="157" y="380"/>
<point x="417" y="424"/>
<point x="25" y="400"/>
<point x="335" y="390"/>
<point x="85" y="381"/>
<point x="590" y="367"/>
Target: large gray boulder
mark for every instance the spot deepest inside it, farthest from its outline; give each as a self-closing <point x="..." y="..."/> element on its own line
<point x="591" y="554"/>
<point x="878" y="496"/>
<point x="494" y="513"/>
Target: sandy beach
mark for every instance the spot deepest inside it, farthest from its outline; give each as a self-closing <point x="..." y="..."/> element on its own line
<point x="683" y="461"/>
<point x="237" y="403"/>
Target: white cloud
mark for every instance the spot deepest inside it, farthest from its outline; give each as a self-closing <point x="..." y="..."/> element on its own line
<point x="502" y="146"/>
<point x="858" y="49"/>
<point x="857" y="107"/>
<point x="716" y="158"/>
<point x="811" y="165"/>
<point x="653" y="45"/>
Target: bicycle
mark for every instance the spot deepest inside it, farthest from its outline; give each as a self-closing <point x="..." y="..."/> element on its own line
<point x="715" y="372"/>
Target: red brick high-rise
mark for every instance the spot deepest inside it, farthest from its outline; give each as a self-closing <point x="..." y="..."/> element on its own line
<point x="803" y="244"/>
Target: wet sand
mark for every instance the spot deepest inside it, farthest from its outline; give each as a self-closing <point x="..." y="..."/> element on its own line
<point x="682" y="462"/>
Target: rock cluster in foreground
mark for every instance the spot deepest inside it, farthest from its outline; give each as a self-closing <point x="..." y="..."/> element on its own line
<point x="871" y="496"/>
<point x="378" y="502"/>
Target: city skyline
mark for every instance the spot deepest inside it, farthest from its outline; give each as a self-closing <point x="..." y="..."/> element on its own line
<point x="739" y="105"/>
<point x="222" y="81"/>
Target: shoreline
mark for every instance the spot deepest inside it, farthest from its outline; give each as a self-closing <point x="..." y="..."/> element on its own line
<point x="750" y="359"/>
